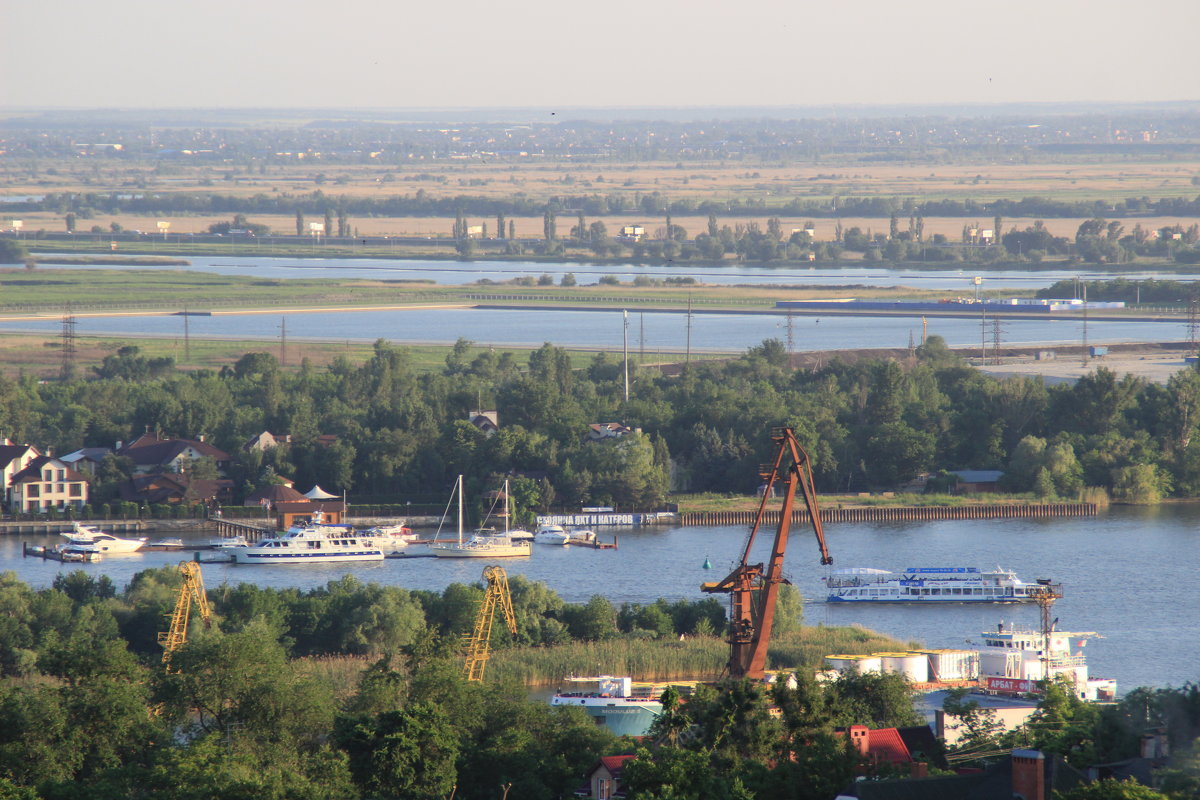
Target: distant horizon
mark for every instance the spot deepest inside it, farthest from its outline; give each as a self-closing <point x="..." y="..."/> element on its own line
<point x="139" y="54"/>
<point x="675" y="113"/>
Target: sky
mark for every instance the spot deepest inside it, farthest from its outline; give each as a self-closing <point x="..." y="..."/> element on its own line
<point x="618" y="53"/>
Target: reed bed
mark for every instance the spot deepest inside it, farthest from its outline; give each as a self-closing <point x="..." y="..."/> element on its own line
<point x="693" y="658"/>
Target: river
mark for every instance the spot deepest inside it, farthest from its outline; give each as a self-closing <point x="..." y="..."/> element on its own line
<point x="464" y="272"/>
<point x="648" y="332"/>
<point x="1125" y="575"/>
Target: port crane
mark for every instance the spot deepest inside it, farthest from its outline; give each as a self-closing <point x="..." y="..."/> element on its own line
<point x="191" y="591"/>
<point x="753" y="589"/>
<point x="477" y="645"/>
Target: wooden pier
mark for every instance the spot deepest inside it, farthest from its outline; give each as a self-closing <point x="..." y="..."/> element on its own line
<point x="900" y="514"/>
<point x="253" y="533"/>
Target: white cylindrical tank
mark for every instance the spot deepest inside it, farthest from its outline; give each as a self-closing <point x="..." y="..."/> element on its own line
<point x="913" y="666"/>
<point x="871" y="663"/>
<point x="843" y="663"/>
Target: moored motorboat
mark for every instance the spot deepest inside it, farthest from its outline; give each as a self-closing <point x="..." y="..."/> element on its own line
<point x="551" y="534"/>
<point x="86" y="536"/>
<point x="226" y="542"/>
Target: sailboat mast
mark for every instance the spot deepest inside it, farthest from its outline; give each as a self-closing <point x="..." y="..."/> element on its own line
<point x="460" y="492"/>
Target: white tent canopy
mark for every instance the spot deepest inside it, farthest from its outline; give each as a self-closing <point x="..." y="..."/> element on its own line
<point x="317" y="493"/>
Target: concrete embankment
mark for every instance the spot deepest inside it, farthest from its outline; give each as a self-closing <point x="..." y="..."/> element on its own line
<point x="900" y="514"/>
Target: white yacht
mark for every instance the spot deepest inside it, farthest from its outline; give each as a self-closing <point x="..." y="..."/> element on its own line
<point x="87" y="538"/>
<point x="550" y="533"/>
<point x="310" y="544"/>
<point x="931" y="585"/>
<point x="481" y="545"/>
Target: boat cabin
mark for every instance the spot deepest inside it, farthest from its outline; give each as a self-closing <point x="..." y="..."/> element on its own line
<point x="300" y="512"/>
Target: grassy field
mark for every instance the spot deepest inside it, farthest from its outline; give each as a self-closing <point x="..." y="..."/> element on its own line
<point x="1085" y="177"/>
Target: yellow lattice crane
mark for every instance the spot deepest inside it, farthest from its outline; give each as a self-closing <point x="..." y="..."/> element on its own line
<point x="478" y="645"/>
<point x="192" y="591"/>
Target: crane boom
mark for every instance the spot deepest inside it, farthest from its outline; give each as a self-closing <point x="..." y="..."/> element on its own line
<point x="753" y="590"/>
<point x="191" y="591"/>
<point x="478" y="644"/>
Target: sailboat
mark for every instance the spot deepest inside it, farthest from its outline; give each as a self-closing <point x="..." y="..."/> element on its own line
<point x="481" y="545"/>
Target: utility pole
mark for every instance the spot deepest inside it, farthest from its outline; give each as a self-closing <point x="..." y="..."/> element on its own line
<point x="68" y="343"/>
<point x="687" y="358"/>
<point x="983" y="334"/>
<point x="625" y="329"/>
<point x="791" y="339"/>
<point x="282" y="341"/>
<point x="1085" y="343"/>
<point x="187" y="339"/>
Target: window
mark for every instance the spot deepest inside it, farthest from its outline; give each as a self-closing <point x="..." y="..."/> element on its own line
<point x="62" y="474"/>
<point x="33" y="490"/>
<point x="61" y="488"/>
<point x="76" y="490"/>
<point x="48" y="475"/>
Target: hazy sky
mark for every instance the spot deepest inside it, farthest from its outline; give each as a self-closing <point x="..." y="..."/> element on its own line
<point x="469" y="53"/>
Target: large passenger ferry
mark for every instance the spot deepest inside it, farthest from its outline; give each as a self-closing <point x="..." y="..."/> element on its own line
<point x="934" y="585"/>
<point x="310" y="545"/>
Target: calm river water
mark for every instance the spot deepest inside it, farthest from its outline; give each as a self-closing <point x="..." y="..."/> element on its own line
<point x="1126" y="575"/>
<point x="461" y="272"/>
<point x="648" y="332"/>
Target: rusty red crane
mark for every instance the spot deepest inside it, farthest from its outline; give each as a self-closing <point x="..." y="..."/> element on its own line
<point x="752" y="589"/>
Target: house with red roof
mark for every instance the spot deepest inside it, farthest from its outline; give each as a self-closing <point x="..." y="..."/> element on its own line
<point x="47" y="483"/>
<point x="153" y="454"/>
<point x="604" y="779"/>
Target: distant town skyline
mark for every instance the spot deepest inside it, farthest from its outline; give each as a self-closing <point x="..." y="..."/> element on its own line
<point x="275" y="54"/>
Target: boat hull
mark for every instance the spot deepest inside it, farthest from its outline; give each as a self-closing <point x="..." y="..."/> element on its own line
<point x="251" y="555"/>
<point x="619" y="715"/>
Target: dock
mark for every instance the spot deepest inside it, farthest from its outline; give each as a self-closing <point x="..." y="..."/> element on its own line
<point x="900" y="513"/>
<point x="49" y="553"/>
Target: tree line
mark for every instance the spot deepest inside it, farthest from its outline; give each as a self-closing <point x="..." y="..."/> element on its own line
<point x="426" y="204"/>
<point x="404" y="435"/>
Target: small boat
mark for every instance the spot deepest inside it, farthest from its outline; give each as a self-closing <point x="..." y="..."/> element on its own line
<point x="550" y="533"/>
<point x="398" y="531"/>
<point x="86" y="536"/>
<point x="623" y="706"/>
<point x="481" y="545"/>
<point x="932" y="585"/>
<point x="165" y="544"/>
<point x="581" y="536"/>
<point x="227" y="542"/>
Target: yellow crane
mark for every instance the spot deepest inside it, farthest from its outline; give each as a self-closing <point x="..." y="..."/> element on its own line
<point x="478" y="644"/>
<point x="192" y="591"/>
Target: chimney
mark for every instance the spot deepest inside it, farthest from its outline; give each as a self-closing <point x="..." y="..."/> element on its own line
<point x="860" y="738"/>
<point x="1028" y="774"/>
<point x="200" y="438"/>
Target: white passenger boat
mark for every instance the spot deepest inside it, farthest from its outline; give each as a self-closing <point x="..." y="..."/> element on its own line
<point x="86" y="538"/>
<point x="551" y="534"/>
<point x="312" y="544"/>
<point x="925" y="585"/>
<point x="481" y="545"/>
<point x="227" y="542"/>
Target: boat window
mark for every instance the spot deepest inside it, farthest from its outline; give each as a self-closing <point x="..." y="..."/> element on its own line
<point x="924" y="591"/>
<point x="939" y="591"/>
<point x="875" y="593"/>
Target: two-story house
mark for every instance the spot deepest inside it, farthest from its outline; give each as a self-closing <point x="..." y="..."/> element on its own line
<point x="153" y="454"/>
<point x="13" y="459"/>
<point x="47" y="483"/>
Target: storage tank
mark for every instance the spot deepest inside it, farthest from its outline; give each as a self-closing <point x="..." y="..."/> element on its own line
<point x="913" y="666"/>
<point x="871" y="663"/>
<point x="847" y="663"/>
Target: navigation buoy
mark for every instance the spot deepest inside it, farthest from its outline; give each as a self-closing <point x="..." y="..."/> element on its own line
<point x="707" y="563"/>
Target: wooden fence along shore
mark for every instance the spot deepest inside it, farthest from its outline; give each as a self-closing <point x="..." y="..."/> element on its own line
<point x="899" y="514"/>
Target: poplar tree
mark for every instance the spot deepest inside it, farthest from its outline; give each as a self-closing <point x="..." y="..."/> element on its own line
<point x="299" y="222"/>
